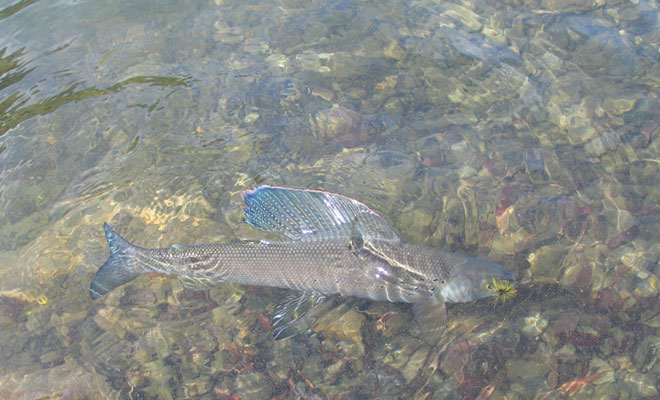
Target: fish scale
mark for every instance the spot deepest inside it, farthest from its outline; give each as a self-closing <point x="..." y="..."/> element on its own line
<point x="328" y="267"/>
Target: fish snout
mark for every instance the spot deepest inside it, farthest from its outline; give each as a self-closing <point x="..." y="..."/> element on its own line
<point x="473" y="281"/>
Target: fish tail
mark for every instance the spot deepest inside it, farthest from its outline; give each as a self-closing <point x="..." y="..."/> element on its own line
<point x="120" y="268"/>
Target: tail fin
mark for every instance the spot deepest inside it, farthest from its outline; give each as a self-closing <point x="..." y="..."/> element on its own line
<point x="120" y="268"/>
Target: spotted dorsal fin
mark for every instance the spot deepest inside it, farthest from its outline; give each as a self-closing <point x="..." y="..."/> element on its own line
<point x="312" y="215"/>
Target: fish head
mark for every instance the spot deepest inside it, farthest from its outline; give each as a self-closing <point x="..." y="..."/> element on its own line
<point x="473" y="280"/>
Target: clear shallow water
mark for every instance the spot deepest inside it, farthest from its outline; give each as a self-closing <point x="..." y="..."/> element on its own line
<point x="521" y="131"/>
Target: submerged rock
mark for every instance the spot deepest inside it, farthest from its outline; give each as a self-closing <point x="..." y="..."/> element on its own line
<point x="252" y="385"/>
<point x="342" y="126"/>
<point x="341" y="324"/>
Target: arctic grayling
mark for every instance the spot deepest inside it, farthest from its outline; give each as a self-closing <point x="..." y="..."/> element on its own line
<point x="331" y="244"/>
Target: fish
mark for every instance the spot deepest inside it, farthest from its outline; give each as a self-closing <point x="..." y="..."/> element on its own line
<point x="327" y="244"/>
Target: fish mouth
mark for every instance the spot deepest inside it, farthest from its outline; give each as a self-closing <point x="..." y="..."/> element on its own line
<point x="508" y="275"/>
<point x="483" y="279"/>
<point x="490" y="270"/>
<point x="501" y="283"/>
<point x="501" y="291"/>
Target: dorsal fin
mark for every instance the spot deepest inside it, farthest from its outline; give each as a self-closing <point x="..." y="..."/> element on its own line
<point x="312" y="214"/>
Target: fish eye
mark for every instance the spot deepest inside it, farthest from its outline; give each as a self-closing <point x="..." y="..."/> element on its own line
<point x="357" y="242"/>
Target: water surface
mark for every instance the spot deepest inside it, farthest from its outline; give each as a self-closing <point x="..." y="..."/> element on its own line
<point x="522" y="131"/>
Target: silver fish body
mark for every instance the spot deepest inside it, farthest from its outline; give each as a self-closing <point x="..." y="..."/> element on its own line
<point x="329" y="267"/>
<point x="332" y="245"/>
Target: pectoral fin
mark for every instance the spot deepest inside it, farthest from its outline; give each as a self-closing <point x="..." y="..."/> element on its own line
<point x="431" y="318"/>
